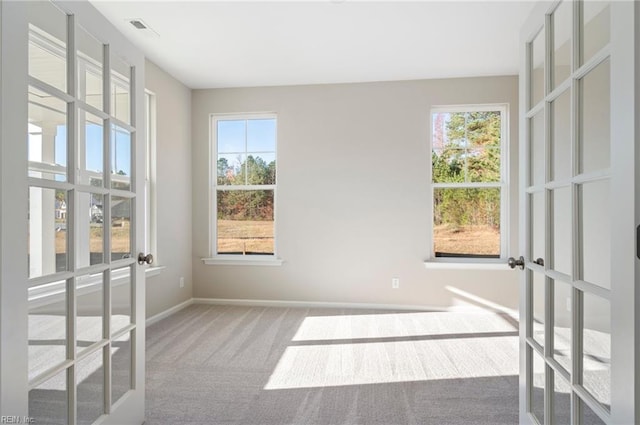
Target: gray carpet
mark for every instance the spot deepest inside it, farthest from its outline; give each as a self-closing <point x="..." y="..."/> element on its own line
<point x="261" y="366"/>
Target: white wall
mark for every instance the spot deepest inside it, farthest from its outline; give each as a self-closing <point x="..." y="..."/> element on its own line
<point x="173" y="196"/>
<point x="353" y="205"/>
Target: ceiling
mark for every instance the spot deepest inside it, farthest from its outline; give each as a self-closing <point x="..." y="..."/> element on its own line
<point x="213" y="44"/>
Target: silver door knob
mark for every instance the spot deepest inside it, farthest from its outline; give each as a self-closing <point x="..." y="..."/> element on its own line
<point x="145" y="258"/>
<point x="513" y="263"/>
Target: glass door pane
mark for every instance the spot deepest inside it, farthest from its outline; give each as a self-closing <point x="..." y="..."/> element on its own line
<point x="48" y="44"/>
<point x="537" y="54"/>
<point x="596" y="357"/>
<point x="120" y="90"/>
<point x="562" y="38"/>
<point x="47" y="139"/>
<point x="537" y="386"/>
<point x="561" y="164"/>
<point x="48" y="402"/>
<point x="594" y="142"/>
<point x="90" y="68"/>
<point x="562" y="322"/>
<point x="47" y="328"/>
<point x="121" y="377"/>
<point x="595" y="22"/>
<point x="90" y="383"/>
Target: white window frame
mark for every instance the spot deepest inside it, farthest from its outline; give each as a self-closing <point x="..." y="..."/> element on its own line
<point x="503" y="185"/>
<point x="233" y="259"/>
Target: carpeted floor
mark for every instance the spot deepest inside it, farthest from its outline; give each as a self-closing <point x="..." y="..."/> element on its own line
<point x="274" y="366"/>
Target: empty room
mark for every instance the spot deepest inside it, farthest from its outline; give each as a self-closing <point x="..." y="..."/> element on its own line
<point x="333" y="212"/>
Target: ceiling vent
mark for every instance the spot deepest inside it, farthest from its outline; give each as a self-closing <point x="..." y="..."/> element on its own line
<point x="138" y="24"/>
<point x="142" y="27"/>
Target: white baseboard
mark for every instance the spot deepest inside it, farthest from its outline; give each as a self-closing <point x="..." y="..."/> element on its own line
<point x="318" y="304"/>
<point x="168" y="312"/>
<point x="315" y="304"/>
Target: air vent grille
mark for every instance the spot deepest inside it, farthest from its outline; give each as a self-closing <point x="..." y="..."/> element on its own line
<point x="138" y="24"/>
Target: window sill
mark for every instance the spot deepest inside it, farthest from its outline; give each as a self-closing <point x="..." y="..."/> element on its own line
<point x="154" y="271"/>
<point x="467" y="265"/>
<point x="242" y="261"/>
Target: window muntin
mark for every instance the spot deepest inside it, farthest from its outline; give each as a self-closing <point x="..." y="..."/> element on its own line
<point x="244" y="184"/>
<point x="468" y="181"/>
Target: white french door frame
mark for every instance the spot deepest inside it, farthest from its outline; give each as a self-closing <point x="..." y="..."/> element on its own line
<point x="624" y="177"/>
<point x="14" y="184"/>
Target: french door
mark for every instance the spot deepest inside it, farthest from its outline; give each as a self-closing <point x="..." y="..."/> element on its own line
<point x="72" y="293"/>
<point x="578" y="101"/>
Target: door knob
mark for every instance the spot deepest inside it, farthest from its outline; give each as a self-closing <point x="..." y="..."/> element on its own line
<point x="513" y="263"/>
<point x="145" y="258"/>
<point x="539" y="262"/>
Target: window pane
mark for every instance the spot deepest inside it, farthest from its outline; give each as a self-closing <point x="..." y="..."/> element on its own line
<point x="120" y="90"/>
<point x="91" y="137"/>
<point x="231" y="169"/>
<point x="47" y="141"/>
<point x="537" y="48"/>
<point x="48" y="44"/>
<point x="47" y="231"/>
<point x="537" y="386"/>
<point x="231" y="136"/>
<point x="261" y="135"/>
<point x="120" y="228"/>
<point x="245" y="222"/>
<point x="562" y="222"/>
<point x="595" y="219"/>
<point x="595" y="123"/>
<point x="483" y="129"/>
<point x="48" y="401"/>
<point x="537" y="229"/>
<point x="90" y="381"/>
<point x="596" y="342"/>
<point x="120" y="299"/>
<point x="538" y="301"/>
<point x="120" y="158"/>
<point x="595" y="27"/>
<point x="466" y="222"/>
<point x="449" y="130"/>
<point x="536" y="150"/>
<point x="562" y="323"/>
<point x="562" y="28"/>
<point x="90" y="230"/>
<point x="588" y="416"/>
<point x="561" y="400"/>
<point x="120" y="366"/>
<point x="483" y="165"/>
<point x="261" y="168"/>
<point x="90" y="54"/>
<point x="47" y="328"/>
<point x="90" y="307"/>
<point x="448" y="165"/>
<point x="561" y="137"/>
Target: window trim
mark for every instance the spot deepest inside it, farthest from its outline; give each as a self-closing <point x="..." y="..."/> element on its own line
<point x="503" y="184"/>
<point x="234" y="259"/>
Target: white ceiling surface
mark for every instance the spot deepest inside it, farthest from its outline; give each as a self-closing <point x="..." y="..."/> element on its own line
<point x="207" y="44"/>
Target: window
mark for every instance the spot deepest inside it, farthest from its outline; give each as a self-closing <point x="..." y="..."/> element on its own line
<point x="468" y="174"/>
<point x="244" y="185"/>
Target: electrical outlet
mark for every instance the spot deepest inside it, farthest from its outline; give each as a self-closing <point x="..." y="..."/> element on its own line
<point x="182" y="282"/>
<point x="569" y="304"/>
<point x="395" y="283"/>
